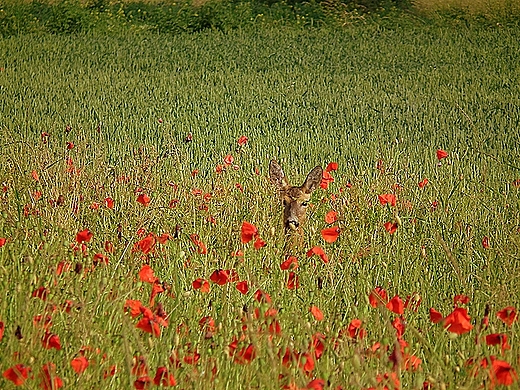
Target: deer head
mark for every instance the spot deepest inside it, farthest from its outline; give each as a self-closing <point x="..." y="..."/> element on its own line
<point x="295" y="199"/>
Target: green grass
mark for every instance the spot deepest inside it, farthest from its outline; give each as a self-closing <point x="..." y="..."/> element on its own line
<point x="305" y="97"/>
<point x="18" y="17"/>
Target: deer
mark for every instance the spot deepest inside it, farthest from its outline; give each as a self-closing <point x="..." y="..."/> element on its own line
<point x="295" y="199"/>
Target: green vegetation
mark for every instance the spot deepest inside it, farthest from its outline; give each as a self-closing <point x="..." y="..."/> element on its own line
<point x="88" y="118"/>
<point x="175" y="17"/>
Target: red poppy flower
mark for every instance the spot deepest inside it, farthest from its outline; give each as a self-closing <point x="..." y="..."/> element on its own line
<point x="49" y="380"/>
<point x="17" y="374"/>
<point x="191" y="357"/>
<point x="163" y="238"/>
<point x="220" y="276"/>
<point x="109" y="203"/>
<point x="245" y="355"/>
<point x="142" y="382"/>
<point x="508" y="315"/>
<point x="2" y="242"/>
<point x="331" y="167"/>
<point x="242" y="287"/>
<point x="201" y="284"/>
<point x="79" y="364"/>
<point x="232" y="347"/>
<point x="68" y="305"/>
<point x="331" y="234"/>
<point x="144" y="199"/>
<point x="401" y="358"/>
<point x="157" y="288"/>
<point x="84" y="236"/>
<point x="45" y="321"/>
<point x="228" y="159"/>
<point x="242" y="140"/>
<point x="275" y="327"/>
<point x="134" y="306"/>
<point x="391" y="227"/>
<point x="377" y="297"/>
<point x="40" y="292"/>
<point x="441" y="154"/>
<point x="100" y="258"/>
<point x="207" y="324"/>
<point x="391" y="379"/>
<point x="317" y="345"/>
<point x="316" y="384"/>
<point x="399" y="325"/>
<point x="288" y="356"/>
<point x="259" y="243"/>
<point x="173" y="203"/>
<point x="458" y="321"/>
<point x="355" y="331"/>
<point x="201" y="247"/>
<point x="50" y="341"/>
<point x="111" y="371"/>
<point x="319" y="252"/>
<point x="262" y="296"/>
<point x="35" y="176"/>
<point x="62" y="267"/>
<point x="149" y="325"/>
<point x="306" y="361"/>
<point x="164" y="378"/>
<point x="146" y="274"/>
<point x="396" y="305"/>
<point x="498" y="339"/>
<point x="291" y="262"/>
<point x="139" y="368"/>
<point x="423" y="183"/>
<point x="2" y="329"/>
<point x="239" y="187"/>
<point x="70" y="145"/>
<point x="485" y="242"/>
<point x="248" y="232"/>
<point x="316" y="312"/>
<point x="387" y="199"/>
<point x="292" y="281"/>
<point x="435" y="316"/>
<point x="502" y="373"/>
<point x="326" y="180"/>
<point x="461" y="298"/>
<point x="331" y="217"/>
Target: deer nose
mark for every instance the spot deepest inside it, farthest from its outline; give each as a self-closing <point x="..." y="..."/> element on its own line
<point x="293" y="224"/>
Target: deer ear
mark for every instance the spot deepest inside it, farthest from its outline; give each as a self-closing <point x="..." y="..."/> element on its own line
<point x="313" y="180"/>
<point x="277" y="176"/>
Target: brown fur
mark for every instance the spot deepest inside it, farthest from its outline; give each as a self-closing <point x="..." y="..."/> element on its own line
<point x="295" y="198"/>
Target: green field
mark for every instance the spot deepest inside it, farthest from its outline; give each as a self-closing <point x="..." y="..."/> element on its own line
<point x="94" y="116"/>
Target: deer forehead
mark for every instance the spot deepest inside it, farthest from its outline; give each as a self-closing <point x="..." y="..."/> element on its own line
<point x="296" y="194"/>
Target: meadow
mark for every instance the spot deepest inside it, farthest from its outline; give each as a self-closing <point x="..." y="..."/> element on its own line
<point x="141" y="242"/>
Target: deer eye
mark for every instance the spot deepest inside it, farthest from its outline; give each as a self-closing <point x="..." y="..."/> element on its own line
<point x="305" y="204"/>
<point x="285" y="202"/>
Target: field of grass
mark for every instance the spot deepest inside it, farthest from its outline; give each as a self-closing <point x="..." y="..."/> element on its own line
<point x="482" y="7"/>
<point x="19" y="17"/>
<point x="117" y="181"/>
